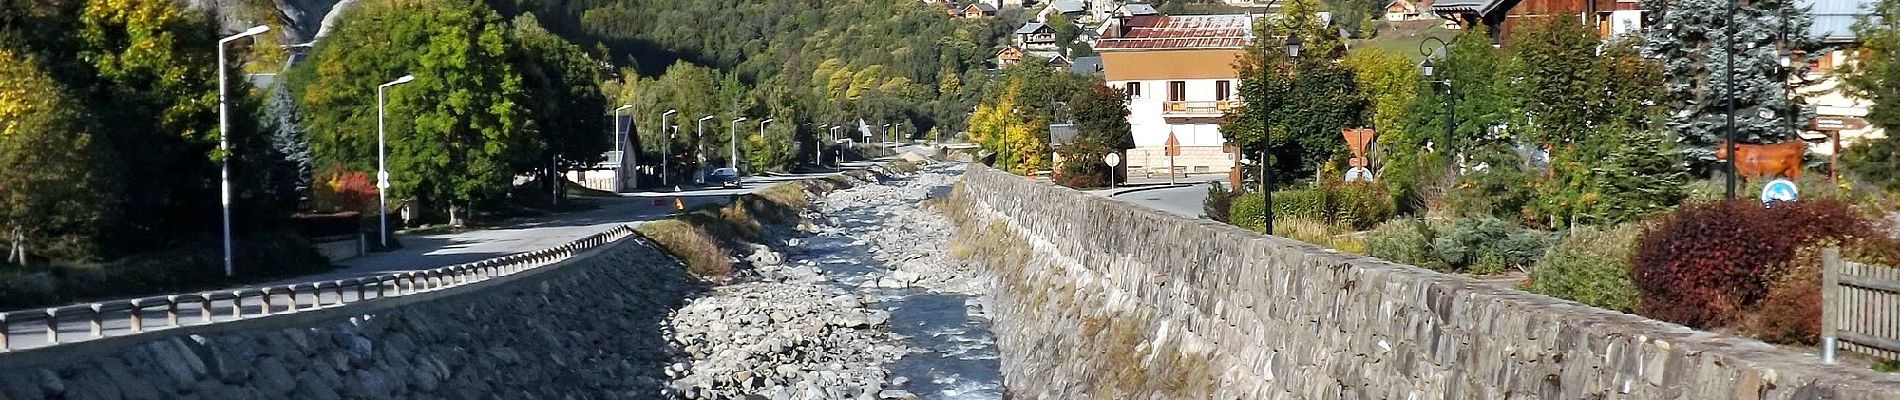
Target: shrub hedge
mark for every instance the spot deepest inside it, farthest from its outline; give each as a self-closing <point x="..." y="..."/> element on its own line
<point x="1706" y="263"/>
<point x="1590" y="265"/>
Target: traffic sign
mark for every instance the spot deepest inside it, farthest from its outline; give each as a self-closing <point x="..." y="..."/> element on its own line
<point x="1779" y="190"/>
<point x="1113" y="160"/>
<point x="1173" y="147"/>
<point x="1834" y="123"/>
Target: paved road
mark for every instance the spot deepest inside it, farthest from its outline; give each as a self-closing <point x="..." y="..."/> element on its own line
<point x="1184" y="201"/>
<point x="420" y="252"/>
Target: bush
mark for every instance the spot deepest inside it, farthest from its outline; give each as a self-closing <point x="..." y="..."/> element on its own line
<point x="1082" y="165"/>
<point x="1361" y="206"/>
<point x="1499" y="191"/>
<point x="1247" y="212"/>
<point x="1301" y="203"/>
<point x="1788" y="313"/>
<point x="190" y="265"/>
<point x="1405" y="241"/>
<point x="1217" y="203"/>
<point x="339" y="189"/>
<point x="1319" y="233"/>
<point x="1706" y="262"/>
<point x="1350" y="205"/>
<point x="1484" y="246"/>
<point x="1590" y="265"/>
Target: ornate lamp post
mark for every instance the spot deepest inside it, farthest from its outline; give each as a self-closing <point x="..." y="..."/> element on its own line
<point x="1451" y="102"/>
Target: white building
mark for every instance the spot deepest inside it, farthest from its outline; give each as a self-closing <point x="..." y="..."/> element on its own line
<point x="1178" y="73"/>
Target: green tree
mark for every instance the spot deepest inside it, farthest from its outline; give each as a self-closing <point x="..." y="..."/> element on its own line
<point x="1295" y="106"/>
<point x="1690" y="38"/>
<point x="454" y="132"/>
<point x="53" y="180"/>
<point x="1874" y="78"/>
<point x="1101" y="114"/>
<point x="1389" y="83"/>
<point x="563" y="93"/>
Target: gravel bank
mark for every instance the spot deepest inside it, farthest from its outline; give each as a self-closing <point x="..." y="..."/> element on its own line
<point x="814" y="315"/>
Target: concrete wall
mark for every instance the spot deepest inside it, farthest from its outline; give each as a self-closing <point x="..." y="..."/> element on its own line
<point x="1100" y="299"/>
<point x="585" y="329"/>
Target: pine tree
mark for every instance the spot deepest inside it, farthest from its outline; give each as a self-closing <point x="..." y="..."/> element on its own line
<point x="1689" y="37"/>
<point x="1643" y="177"/>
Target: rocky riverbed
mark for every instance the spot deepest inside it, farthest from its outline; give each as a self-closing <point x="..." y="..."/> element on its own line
<point x="861" y="304"/>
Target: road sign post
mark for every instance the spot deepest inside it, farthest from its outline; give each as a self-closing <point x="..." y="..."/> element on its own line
<point x="1779" y="190"/>
<point x="1114" y="161"/>
<point x="1173" y="148"/>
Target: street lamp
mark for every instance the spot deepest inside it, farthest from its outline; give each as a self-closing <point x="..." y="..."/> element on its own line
<point x="700" y="129"/>
<point x="762" y="126"/>
<point x="666" y="128"/>
<point x="224" y="144"/>
<point x="382" y="164"/>
<point x="620" y="166"/>
<point x="1728" y="29"/>
<point x="818" y="147"/>
<point x="734" y="130"/>
<point x="1292" y="44"/>
<point x="1451" y="102"/>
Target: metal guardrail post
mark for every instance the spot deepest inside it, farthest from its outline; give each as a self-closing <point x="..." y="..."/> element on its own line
<point x="98" y="321"/>
<point x="171" y="311"/>
<point x="362" y="289"/>
<point x="339" y="293"/>
<point x="52" y="325"/>
<point x="138" y="320"/>
<point x="265" y="308"/>
<point x="6" y="331"/>
<point x="237" y="304"/>
<point x="1830" y="302"/>
<point x="204" y="309"/>
<point x="292" y="290"/>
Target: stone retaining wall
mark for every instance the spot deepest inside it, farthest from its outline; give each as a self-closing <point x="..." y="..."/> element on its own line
<point x="585" y="329"/>
<point x="1101" y="299"/>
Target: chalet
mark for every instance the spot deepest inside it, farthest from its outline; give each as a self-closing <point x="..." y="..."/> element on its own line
<point x="1611" y="17"/>
<point x="1035" y="34"/>
<point x="1086" y="66"/>
<point x="1074" y="9"/>
<point x="1008" y="55"/>
<point x="979" y="10"/>
<point x="1404" y="10"/>
<point x="1054" y="60"/>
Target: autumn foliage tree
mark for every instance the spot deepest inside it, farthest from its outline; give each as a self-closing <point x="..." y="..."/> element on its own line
<point x="52" y="191"/>
<point x="999" y="126"/>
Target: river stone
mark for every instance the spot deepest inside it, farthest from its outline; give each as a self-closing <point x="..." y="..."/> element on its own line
<point x="309" y="386"/>
<point x="14" y="385"/>
<point x="272" y="378"/>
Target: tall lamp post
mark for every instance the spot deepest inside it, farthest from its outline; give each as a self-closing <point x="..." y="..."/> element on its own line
<point x="620" y="147"/>
<point x="1266" y="173"/>
<point x="818" y="146"/>
<point x="1426" y="68"/>
<point x="382" y="162"/>
<point x="699" y="128"/>
<point x="224" y="144"/>
<point x="762" y="126"/>
<point x="1728" y="33"/>
<point x="666" y="129"/>
<point x="734" y="130"/>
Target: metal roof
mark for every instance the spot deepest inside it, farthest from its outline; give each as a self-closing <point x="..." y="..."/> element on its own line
<point x="1139" y="9"/>
<point x="1183" y="32"/>
<point x="1029" y="28"/>
<point x="1834" y="19"/>
<point x="1477" y="6"/>
<point x="1069" y="6"/>
<point x="1086" y="65"/>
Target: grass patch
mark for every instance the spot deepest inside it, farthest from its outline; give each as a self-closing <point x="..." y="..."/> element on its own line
<point x="703" y="255"/>
<point x="1320" y="233"/>
<point x="1887" y="366"/>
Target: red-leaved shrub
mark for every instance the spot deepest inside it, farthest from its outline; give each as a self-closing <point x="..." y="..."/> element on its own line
<point x="339" y="189"/>
<point x="1705" y="264"/>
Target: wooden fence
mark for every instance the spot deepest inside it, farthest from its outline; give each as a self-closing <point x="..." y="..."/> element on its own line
<point x="1860" y="309"/>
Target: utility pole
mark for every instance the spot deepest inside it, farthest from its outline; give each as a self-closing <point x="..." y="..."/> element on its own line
<point x="1729" y="29"/>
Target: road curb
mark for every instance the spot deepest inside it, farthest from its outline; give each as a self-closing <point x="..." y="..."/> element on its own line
<point x="1148" y="188"/>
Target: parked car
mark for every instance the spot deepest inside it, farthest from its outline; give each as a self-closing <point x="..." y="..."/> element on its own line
<point x="725" y="177"/>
